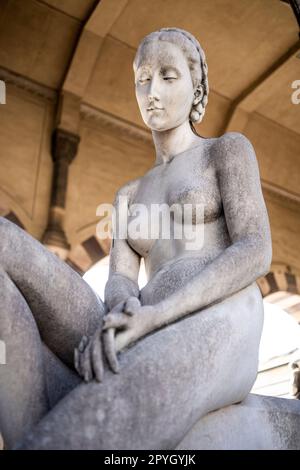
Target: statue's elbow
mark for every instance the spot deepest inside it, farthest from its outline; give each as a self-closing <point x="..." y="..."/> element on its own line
<point x="265" y="259"/>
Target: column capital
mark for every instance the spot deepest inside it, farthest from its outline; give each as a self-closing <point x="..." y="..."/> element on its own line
<point x="64" y="145"/>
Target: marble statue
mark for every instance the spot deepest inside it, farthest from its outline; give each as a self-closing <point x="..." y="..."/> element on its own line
<point x="138" y="370"/>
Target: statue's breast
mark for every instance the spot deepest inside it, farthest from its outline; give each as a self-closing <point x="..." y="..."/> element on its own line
<point x="139" y="231"/>
<point x="197" y="190"/>
<point x="186" y="184"/>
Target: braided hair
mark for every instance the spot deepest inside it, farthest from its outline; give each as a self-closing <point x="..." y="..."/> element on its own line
<point x="197" y="64"/>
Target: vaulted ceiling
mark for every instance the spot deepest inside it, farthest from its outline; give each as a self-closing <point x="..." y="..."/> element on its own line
<point x="87" y="47"/>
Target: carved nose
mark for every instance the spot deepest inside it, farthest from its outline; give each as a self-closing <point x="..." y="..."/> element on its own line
<point x="152" y="98"/>
<point x="153" y="94"/>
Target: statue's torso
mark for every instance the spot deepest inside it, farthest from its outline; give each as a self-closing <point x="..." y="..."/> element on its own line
<point x="190" y="178"/>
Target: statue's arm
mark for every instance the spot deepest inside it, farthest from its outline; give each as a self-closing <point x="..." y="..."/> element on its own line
<point x="124" y="263"/>
<point x="250" y="253"/>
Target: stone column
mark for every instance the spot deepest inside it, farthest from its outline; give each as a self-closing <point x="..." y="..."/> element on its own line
<point x="64" y="150"/>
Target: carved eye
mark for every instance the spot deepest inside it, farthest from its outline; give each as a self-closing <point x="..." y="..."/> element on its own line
<point x="168" y="74"/>
<point x="144" y="79"/>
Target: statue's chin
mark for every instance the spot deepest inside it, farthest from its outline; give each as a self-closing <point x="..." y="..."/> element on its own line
<point x="160" y="127"/>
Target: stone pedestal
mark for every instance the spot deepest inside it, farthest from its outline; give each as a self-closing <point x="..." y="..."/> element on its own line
<point x="258" y="423"/>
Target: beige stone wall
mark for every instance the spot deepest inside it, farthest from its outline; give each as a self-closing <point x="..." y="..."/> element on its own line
<point x="285" y="228"/>
<point x="25" y="161"/>
<point x="277" y="150"/>
<point x="22" y="25"/>
<point x="106" y="160"/>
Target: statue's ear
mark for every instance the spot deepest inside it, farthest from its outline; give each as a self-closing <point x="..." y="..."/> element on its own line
<point x="198" y="94"/>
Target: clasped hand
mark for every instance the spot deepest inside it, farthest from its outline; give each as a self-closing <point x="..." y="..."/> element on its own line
<point x="125" y="323"/>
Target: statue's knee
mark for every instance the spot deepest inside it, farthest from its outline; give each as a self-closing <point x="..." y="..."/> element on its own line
<point x="10" y="237"/>
<point x="7" y="230"/>
<point x="7" y="293"/>
<point x="3" y="226"/>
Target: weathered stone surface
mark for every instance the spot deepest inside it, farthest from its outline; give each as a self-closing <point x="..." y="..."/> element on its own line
<point x="188" y="341"/>
<point x="167" y="381"/>
<point x="258" y="423"/>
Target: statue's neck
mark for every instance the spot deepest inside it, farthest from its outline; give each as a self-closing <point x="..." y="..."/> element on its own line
<point x="172" y="142"/>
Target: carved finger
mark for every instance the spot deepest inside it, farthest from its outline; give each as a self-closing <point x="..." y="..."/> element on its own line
<point x="133" y="301"/>
<point x="119" y="307"/>
<point x="131" y="306"/>
<point x="76" y="359"/>
<point x="116" y="320"/>
<point x="86" y="368"/>
<point x="80" y="364"/>
<point x="82" y="345"/>
<point x="97" y="360"/>
<point x="109" y="349"/>
<point x="128" y="312"/>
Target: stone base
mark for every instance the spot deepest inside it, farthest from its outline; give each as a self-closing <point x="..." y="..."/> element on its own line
<point x="258" y="423"/>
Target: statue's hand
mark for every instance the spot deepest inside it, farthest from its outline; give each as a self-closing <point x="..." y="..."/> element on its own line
<point x="131" y="324"/>
<point x="88" y="357"/>
<point x="108" y="335"/>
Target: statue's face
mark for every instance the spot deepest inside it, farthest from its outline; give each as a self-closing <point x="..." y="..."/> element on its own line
<point x="164" y="87"/>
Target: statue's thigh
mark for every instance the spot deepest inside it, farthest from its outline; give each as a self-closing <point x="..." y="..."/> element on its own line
<point x="64" y="306"/>
<point x="167" y="382"/>
<point x="60" y="379"/>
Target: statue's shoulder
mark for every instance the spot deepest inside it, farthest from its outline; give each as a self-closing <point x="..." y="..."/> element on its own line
<point x="232" y="147"/>
<point x="128" y="189"/>
<point x="232" y="141"/>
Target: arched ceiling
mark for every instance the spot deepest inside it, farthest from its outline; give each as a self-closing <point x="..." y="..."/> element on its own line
<point x="251" y="50"/>
<point x="87" y="47"/>
<point x="77" y="9"/>
<point x="37" y="40"/>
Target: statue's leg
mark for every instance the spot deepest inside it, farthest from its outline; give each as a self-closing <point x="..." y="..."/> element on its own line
<point x="40" y="297"/>
<point x="63" y="305"/>
<point x="23" y="397"/>
<point x="60" y="379"/>
<point x="167" y="381"/>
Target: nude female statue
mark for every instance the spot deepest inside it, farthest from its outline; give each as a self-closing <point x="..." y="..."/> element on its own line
<point x="156" y="360"/>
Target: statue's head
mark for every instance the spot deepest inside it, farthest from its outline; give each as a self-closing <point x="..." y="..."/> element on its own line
<point x="170" y="79"/>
